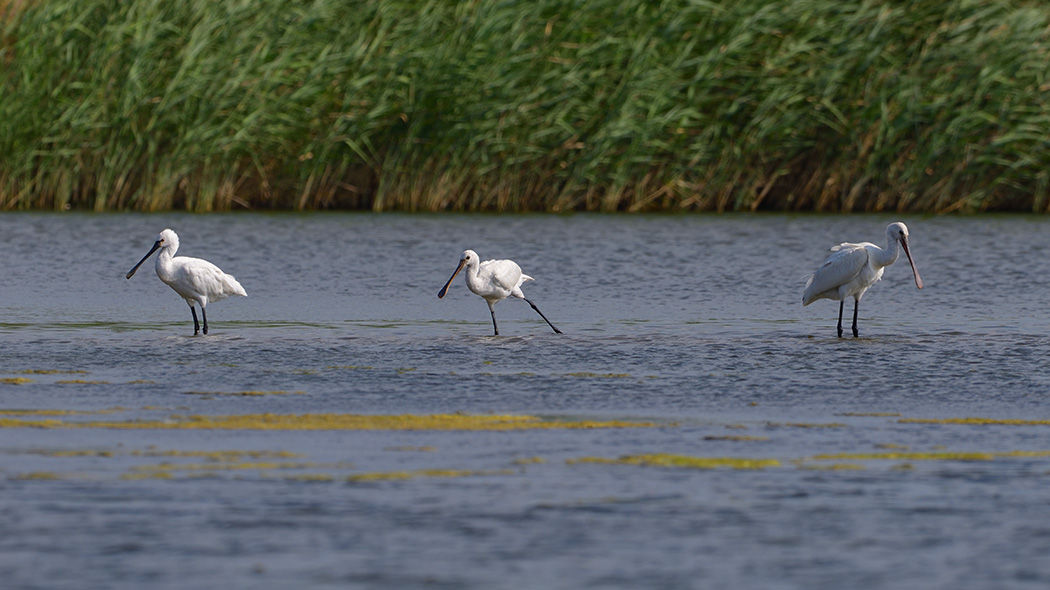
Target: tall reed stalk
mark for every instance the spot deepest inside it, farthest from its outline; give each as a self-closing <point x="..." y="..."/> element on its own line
<point x="550" y="105"/>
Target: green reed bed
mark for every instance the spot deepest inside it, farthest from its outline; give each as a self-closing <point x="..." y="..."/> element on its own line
<point x="550" y="105"/>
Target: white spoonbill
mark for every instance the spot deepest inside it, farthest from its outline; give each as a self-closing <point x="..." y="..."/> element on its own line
<point x="853" y="268"/>
<point x="192" y="278"/>
<point x="494" y="280"/>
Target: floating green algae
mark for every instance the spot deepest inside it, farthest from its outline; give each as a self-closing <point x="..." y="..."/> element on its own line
<point x="13" y="423"/>
<point x="217" y="462"/>
<point x="834" y="467"/>
<point x="669" y="460"/>
<point x="459" y="422"/>
<point x="976" y="421"/>
<point x="841" y="461"/>
<point x="403" y="475"/>
<point x="149" y="475"/>
<point x="311" y="477"/>
<point x="15" y="380"/>
<point x="934" y="456"/>
<point x="229" y="466"/>
<point x="77" y="453"/>
<point x="38" y="475"/>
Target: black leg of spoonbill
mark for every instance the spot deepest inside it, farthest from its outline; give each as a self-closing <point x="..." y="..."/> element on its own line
<point x="196" y="324"/>
<point x="204" y="316"/>
<point x="556" y="331"/>
<point x="842" y="304"/>
<point x="495" y="328"/>
<point x="856" y="304"/>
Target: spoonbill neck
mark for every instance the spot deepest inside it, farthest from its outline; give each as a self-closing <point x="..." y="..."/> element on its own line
<point x="886" y="257"/>
<point x="165" y="265"/>
<point x="472" y="270"/>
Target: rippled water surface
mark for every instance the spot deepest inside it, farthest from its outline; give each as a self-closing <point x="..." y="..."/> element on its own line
<point x="788" y="458"/>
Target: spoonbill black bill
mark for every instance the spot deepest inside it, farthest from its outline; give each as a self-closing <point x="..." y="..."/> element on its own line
<point x="853" y="268"/>
<point x="195" y="280"/>
<point x="494" y="281"/>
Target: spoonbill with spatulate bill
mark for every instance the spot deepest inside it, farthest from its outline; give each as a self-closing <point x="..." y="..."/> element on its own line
<point x="493" y="280"/>
<point x="195" y="280"/>
<point x="853" y="268"/>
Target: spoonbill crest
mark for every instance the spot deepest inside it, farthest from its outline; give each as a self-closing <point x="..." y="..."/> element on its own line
<point x="195" y="280"/>
<point x="493" y="280"/>
<point x="853" y="268"/>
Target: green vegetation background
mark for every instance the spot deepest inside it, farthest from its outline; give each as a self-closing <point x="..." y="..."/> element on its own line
<point x="514" y="105"/>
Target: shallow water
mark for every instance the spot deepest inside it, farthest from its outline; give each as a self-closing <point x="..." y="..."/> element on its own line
<point x="691" y="324"/>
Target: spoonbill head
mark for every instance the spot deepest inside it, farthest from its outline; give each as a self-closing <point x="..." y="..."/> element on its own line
<point x="494" y="281"/>
<point x="853" y="268"/>
<point x="195" y="280"/>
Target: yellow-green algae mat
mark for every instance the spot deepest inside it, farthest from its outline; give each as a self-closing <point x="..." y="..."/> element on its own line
<point x="210" y="464"/>
<point x="669" y="460"/>
<point x="690" y="462"/>
<point x="214" y="464"/>
<point x="461" y="422"/>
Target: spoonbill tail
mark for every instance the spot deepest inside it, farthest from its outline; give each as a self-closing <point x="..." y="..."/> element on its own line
<point x="195" y="280"/>
<point x="853" y="268"/>
<point x="493" y="280"/>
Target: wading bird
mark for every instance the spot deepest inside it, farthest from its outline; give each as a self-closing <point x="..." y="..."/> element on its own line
<point x="493" y="280"/>
<point x="192" y="278"/>
<point x="853" y="268"/>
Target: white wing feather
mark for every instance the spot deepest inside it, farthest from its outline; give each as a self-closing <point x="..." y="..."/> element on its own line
<point x="839" y="269"/>
<point x="504" y="274"/>
<point x="209" y="280"/>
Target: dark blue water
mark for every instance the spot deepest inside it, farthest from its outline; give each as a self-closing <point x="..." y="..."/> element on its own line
<point x="693" y="323"/>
